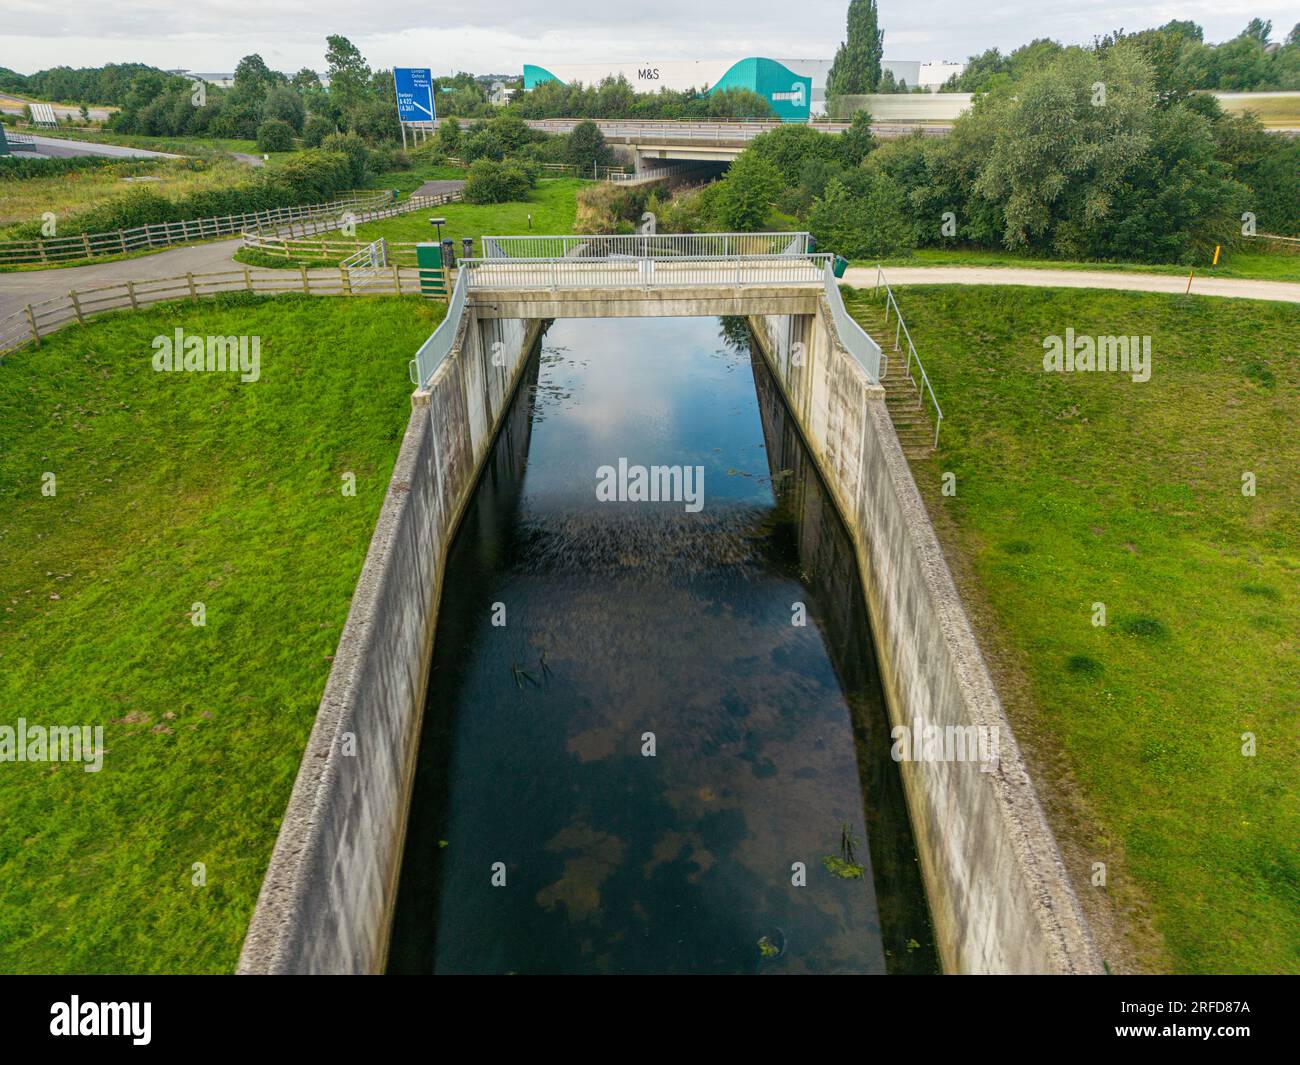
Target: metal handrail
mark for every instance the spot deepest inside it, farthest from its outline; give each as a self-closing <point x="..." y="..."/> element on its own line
<point x="856" y="340"/>
<point x="642" y="271"/>
<point x="435" y="349"/>
<point x="901" y="331"/>
<point x="602" y="245"/>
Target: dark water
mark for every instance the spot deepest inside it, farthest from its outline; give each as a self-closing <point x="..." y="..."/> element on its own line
<point x="624" y="619"/>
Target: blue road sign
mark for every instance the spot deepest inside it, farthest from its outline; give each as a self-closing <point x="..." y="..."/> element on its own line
<point x="414" y="94"/>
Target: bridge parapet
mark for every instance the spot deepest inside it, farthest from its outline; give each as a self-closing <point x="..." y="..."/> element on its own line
<point x="643" y="245"/>
<point x="646" y="275"/>
<point x="650" y="271"/>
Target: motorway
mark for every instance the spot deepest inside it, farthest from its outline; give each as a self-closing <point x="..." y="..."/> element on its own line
<point x="722" y="132"/>
<point x="63" y="147"/>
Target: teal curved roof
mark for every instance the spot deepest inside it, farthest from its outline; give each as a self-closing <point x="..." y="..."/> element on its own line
<point x="535" y="75"/>
<point x="788" y="93"/>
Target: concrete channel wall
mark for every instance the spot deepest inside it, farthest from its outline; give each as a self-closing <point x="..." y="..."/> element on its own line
<point x="998" y="891"/>
<point x="326" y="902"/>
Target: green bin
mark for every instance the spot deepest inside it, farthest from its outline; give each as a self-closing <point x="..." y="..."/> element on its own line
<point x="841" y="264"/>
<point x="433" y="278"/>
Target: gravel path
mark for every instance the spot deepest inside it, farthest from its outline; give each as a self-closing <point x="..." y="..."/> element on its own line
<point x="31" y="286"/>
<point x="1284" y="291"/>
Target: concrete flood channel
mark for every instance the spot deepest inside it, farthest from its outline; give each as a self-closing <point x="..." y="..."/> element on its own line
<point x="768" y="829"/>
<point x="543" y="835"/>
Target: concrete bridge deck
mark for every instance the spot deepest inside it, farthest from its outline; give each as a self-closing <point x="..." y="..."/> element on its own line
<point x="626" y="287"/>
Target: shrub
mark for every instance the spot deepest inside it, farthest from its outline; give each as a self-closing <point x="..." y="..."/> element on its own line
<point x="275" y="135"/>
<point x="689" y="211"/>
<point x="790" y="146"/>
<point x="386" y="158"/>
<point x="312" y="176"/>
<point x="550" y="150"/>
<point x="585" y="145"/>
<point x="608" y="208"/>
<point x="449" y="136"/>
<point x="864" y="215"/>
<point x="315" y="130"/>
<point x="744" y="197"/>
<point x="354" y="149"/>
<point x="14" y="168"/>
<point x="286" y="105"/>
<point x="494" y="182"/>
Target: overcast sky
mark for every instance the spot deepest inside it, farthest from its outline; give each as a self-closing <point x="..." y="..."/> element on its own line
<point x="499" y="36"/>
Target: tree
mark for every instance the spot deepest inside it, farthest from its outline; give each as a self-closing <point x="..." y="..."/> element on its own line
<point x="586" y="145"/>
<point x="243" y="110"/>
<point x="977" y="72"/>
<point x="788" y="147"/>
<point x="1268" y="165"/>
<point x="857" y="142"/>
<point x="286" y="105"/>
<point x="374" y="118"/>
<point x="1258" y="29"/>
<point x="1173" y="206"/>
<point x="1057" y="152"/>
<point x="1293" y="38"/>
<point x="349" y="73"/>
<point x="744" y="197"/>
<point x="449" y="135"/>
<point x="856" y="68"/>
<point x="252" y="70"/>
<point x="305" y="81"/>
<point x="864" y="215"/>
<point x="1184" y="28"/>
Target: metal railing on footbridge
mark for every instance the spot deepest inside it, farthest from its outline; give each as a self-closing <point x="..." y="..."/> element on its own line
<point x="645" y="245"/>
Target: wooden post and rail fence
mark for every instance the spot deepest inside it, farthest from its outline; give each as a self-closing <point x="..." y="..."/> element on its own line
<point x="38" y="320"/>
<point x="163" y="234"/>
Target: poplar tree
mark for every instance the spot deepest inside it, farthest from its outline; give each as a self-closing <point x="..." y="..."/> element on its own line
<point x="856" y="69"/>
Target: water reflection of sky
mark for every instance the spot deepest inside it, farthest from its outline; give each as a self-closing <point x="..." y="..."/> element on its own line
<point x="662" y="391"/>
<point x="622" y="620"/>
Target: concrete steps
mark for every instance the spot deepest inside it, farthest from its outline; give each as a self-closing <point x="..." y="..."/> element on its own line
<point x="912" y="423"/>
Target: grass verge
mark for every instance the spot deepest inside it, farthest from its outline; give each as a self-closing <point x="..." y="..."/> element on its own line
<point x="1262" y="263"/>
<point x="1077" y="489"/>
<point x="553" y="205"/>
<point x="72" y="194"/>
<point x="174" y="489"/>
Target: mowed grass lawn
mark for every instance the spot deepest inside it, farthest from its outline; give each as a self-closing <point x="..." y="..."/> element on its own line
<point x="1075" y="489"/>
<point x="553" y="205"/>
<point x="1275" y="112"/>
<point x="173" y="489"/>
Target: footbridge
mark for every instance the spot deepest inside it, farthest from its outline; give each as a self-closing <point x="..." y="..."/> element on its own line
<point x="763" y="275"/>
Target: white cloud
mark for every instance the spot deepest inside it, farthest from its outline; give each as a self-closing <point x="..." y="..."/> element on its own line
<point x="499" y="36"/>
